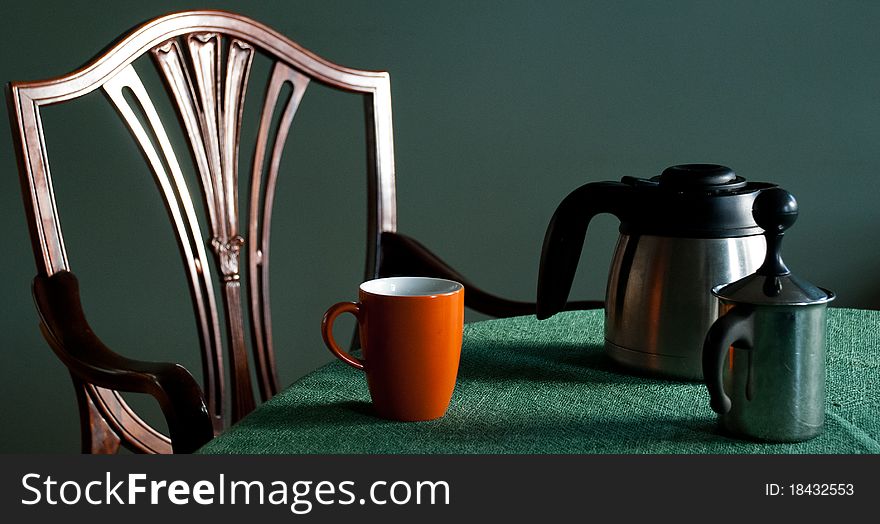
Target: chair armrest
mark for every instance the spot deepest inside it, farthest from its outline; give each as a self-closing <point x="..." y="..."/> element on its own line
<point x="179" y="395"/>
<point x="403" y="255"/>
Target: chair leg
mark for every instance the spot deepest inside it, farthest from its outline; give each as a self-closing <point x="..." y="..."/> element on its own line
<point x="97" y="437"/>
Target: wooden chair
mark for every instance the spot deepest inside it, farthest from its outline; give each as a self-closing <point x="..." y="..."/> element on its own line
<point x="204" y="58"/>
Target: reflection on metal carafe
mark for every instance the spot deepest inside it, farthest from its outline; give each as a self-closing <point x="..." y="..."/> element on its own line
<point x="658" y="309"/>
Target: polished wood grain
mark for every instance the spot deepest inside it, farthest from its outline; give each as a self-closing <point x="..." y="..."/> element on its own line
<point x="263" y="180"/>
<point x="204" y="59"/>
<point x="183" y="216"/>
<point x="210" y="103"/>
<point x="99" y="373"/>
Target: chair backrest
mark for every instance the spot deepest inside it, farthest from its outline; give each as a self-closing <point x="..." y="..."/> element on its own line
<point x="204" y="58"/>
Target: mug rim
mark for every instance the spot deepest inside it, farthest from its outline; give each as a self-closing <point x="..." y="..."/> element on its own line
<point x="450" y="287"/>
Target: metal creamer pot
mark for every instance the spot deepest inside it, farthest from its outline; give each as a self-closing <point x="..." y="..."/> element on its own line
<point x="681" y="233"/>
<point x="764" y="358"/>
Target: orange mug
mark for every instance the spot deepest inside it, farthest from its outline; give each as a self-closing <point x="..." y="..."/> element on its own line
<point x="410" y="333"/>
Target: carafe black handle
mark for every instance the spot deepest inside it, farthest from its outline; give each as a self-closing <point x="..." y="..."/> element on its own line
<point x="734" y="327"/>
<point x="565" y="235"/>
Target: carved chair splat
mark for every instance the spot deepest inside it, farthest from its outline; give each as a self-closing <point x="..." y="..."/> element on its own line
<point x="204" y="59"/>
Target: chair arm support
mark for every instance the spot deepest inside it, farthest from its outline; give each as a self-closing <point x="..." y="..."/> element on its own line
<point x="403" y="255"/>
<point x="64" y="325"/>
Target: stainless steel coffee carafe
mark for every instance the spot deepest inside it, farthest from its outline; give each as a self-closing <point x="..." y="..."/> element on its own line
<point x="764" y="359"/>
<point x="682" y="233"/>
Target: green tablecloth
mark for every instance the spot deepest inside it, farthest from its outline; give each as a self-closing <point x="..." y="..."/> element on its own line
<point x="526" y="386"/>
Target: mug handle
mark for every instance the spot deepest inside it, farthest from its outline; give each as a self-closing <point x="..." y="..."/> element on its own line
<point x="734" y="327"/>
<point x="327" y="331"/>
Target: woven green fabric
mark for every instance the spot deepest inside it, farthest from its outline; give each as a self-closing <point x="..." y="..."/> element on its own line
<point x="526" y="386"/>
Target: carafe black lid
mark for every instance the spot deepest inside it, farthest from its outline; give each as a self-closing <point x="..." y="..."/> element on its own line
<point x="692" y="200"/>
<point x="700" y="177"/>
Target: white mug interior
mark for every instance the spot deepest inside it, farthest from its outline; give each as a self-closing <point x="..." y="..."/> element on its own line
<point x="411" y="287"/>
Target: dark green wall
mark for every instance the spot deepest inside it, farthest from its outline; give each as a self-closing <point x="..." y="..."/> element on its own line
<point x="501" y="108"/>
